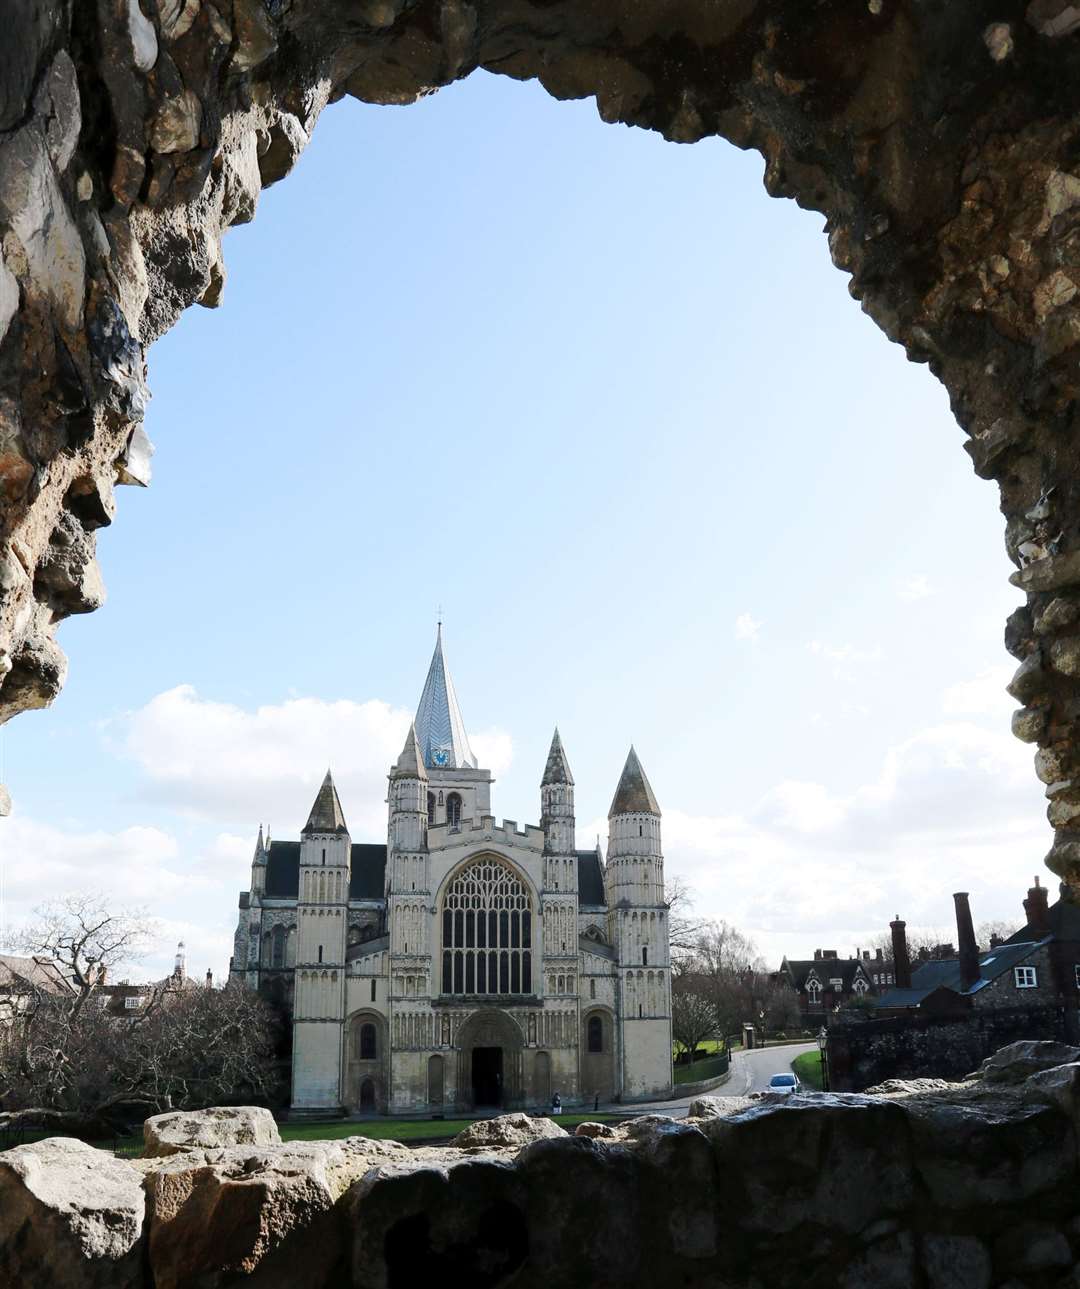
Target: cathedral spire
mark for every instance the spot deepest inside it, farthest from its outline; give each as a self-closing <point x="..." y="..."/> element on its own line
<point x="557" y="769"/>
<point x="440" y="731"/>
<point x="326" y="814"/>
<point x="634" y="795"/>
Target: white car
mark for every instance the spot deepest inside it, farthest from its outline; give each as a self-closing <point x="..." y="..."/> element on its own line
<point x="784" y="1084"/>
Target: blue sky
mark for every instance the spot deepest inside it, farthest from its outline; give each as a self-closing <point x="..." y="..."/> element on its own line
<point x="613" y="409"/>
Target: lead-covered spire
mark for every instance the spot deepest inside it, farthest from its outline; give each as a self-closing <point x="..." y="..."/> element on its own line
<point x="326" y="813"/>
<point x="634" y="795"/>
<point x="440" y="731"/>
<point x="557" y="769"/>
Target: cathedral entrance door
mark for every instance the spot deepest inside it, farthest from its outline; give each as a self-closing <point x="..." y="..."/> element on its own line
<point x="487" y="1076"/>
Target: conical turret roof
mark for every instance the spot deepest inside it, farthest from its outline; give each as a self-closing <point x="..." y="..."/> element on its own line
<point x="440" y="731"/>
<point x="557" y="769"/>
<point x="634" y="795"/>
<point x="410" y="764"/>
<point x="326" y="814"/>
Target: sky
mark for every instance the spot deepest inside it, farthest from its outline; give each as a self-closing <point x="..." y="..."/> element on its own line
<point x="612" y="410"/>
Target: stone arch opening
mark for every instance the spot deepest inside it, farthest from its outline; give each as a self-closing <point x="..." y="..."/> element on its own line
<point x="954" y="219"/>
<point x="490" y="1065"/>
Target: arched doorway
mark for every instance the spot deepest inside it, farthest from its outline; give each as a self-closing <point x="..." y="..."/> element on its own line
<point x="367" y="1096"/>
<point x="597" y="1051"/>
<point x="490" y="1062"/>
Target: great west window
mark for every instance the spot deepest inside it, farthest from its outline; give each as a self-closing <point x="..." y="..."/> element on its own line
<point x="487" y="932"/>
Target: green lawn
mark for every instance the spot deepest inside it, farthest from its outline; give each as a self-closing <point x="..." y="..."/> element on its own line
<point x="410" y="1129"/>
<point x="710" y="1068"/>
<point x="807" y="1069"/>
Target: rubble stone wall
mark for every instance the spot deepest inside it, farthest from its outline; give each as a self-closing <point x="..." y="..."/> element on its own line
<point x="973" y="1187"/>
<point x="941" y="141"/>
<point x="865" y="1053"/>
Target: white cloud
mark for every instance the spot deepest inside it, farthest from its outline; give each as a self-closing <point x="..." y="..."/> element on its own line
<point x="915" y="588"/>
<point x="983" y="695"/>
<point x="216" y="760"/>
<point x="747" y="627"/>
<point x="954" y="807"/>
<point x="845" y="653"/>
<point x="188" y="896"/>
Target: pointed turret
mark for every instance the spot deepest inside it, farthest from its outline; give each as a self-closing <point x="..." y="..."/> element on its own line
<point x="326" y="814"/>
<point x="260" y="848"/>
<point x="440" y="731"/>
<point x="557" y="769"/>
<point x="557" y="814"/>
<point x="410" y="764"/>
<point x="634" y="795"/>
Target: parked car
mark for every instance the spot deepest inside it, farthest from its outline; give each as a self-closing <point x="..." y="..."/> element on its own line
<point x="784" y="1084"/>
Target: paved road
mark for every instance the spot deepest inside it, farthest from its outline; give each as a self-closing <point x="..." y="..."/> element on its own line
<point x="750" y="1072"/>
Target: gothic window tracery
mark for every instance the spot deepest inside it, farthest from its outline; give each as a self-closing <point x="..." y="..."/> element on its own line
<point x="487" y="932"/>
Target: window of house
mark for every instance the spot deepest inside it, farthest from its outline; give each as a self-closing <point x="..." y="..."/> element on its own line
<point x="320" y="953"/>
<point x="277" y="946"/>
<point x="595" y="1034"/>
<point x="813" y="991"/>
<point x="453" y="810"/>
<point x="860" y="986"/>
<point x="431" y="807"/>
<point x="836" y="983"/>
<point x="1025" y="977"/>
<point x="644" y="957"/>
<point x="592" y="987"/>
<point x="132" y="1000"/>
<point x="373" y="991"/>
<point x="367" y="1042"/>
<point x="487" y="932"/>
<point x="324" y="854"/>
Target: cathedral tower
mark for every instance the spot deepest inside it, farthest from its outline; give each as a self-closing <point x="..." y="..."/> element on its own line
<point x="319" y="1004"/>
<point x="638" y="922"/>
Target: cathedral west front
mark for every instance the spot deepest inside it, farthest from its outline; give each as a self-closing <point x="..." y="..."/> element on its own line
<point x="465" y="964"/>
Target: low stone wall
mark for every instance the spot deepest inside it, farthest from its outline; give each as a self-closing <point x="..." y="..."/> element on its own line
<point x="681" y="1090"/>
<point x="974" y="1187"/>
<point x="865" y="1053"/>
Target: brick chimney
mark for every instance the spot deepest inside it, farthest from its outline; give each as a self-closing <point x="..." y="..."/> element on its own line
<point x="1036" y="908"/>
<point x="901" y="962"/>
<point x="965" y="937"/>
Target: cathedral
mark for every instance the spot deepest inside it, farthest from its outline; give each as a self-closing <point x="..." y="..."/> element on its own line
<point x="465" y="963"/>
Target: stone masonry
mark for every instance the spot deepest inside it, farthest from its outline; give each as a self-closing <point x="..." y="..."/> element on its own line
<point x="939" y="140"/>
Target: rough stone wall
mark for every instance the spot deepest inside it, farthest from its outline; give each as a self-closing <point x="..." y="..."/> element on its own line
<point x="867" y="1053"/>
<point x="942" y="142"/>
<point x="976" y="1187"/>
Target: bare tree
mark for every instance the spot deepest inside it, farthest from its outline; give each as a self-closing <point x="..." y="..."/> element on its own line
<point x="85" y="939"/>
<point x="684" y="926"/>
<point x="68" y="1063"/>
<point x="985" y="931"/>
<point x="693" y="1018"/>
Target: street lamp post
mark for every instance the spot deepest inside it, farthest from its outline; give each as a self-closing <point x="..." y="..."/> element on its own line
<point x="823" y="1047"/>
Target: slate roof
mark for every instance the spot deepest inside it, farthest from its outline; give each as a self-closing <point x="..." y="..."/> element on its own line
<point x="326" y="812"/>
<point x="634" y="795"/>
<point x="827" y="969"/>
<point x="945" y="974"/>
<point x="367" y="867"/>
<point x="590" y="878"/>
<point x="18" y="974"/>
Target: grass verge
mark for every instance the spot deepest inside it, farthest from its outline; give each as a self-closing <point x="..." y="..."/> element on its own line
<point x="410" y="1129"/>
<point x="807" y="1069"/>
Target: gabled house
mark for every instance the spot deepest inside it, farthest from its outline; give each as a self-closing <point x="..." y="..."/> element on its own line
<point x="827" y="981"/>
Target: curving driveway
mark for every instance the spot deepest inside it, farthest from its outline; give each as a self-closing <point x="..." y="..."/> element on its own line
<point x="750" y="1072"/>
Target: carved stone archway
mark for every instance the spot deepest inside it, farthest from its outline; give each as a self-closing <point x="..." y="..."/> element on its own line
<point x="491" y="1029"/>
<point x="939" y="141"/>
